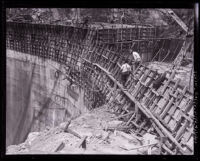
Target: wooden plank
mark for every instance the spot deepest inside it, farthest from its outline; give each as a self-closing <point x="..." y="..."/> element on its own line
<point x="164" y="112"/>
<point x="181" y="130"/>
<point x="123" y="115"/>
<point x="160" y="104"/>
<point x="139" y="147"/>
<point x="146" y="112"/>
<point x="83" y="142"/>
<point x="60" y="147"/>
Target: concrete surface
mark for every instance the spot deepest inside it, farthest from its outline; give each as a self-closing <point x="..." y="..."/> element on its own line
<point x="35" y="98"/>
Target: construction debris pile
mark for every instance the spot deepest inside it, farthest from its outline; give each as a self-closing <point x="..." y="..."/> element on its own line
<point x="99" y="129"/>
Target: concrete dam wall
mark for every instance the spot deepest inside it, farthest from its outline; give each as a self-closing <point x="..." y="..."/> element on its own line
<point x="37" y="95"/>
<point x="36" y="98"/>
<point x="39" y="57"/>
<point x="58" y="71"/>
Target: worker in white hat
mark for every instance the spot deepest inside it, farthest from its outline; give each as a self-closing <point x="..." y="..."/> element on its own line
<point x="136" y="59"/>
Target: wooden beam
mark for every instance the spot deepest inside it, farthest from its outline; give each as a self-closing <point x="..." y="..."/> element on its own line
<point x="146" y="111"/>
<point x="139" y="147"/>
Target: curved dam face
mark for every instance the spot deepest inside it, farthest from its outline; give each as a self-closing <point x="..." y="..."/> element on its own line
<point x="40" y="91"/>
<point x="54" y="72"/>
<point x="37" y="96"/>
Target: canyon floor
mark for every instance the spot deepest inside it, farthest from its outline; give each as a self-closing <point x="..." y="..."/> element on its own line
<point x="100" y="140"/>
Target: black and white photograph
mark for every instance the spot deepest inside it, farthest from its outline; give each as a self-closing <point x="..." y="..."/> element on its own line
<point x="112" y="81"/>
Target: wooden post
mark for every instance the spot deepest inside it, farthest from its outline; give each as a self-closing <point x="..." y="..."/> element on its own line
<point x="60" y="147"/>
<point x="83" y="142"/>
<point x="67" y="125"/>
<point x="148" y="113"/>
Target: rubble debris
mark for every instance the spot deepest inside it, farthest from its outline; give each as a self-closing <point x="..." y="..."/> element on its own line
<point x="74" y="133"/>
<point x="95" y="141"/>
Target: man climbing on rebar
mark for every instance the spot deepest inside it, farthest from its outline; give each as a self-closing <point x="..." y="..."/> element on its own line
<point x="136" y="59"/>
<point x="126" y="70"/>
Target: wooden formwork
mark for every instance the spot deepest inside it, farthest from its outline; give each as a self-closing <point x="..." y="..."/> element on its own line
<point x="122" y="33"/>
<point x="169" y="109"/>
<point x="166" y="104"/>
<point x="124" y="38"/>
<point x="171" y="105"/>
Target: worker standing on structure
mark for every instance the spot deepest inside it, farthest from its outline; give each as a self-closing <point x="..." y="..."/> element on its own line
<point x="136" y="59"/>
<point x="126" y="69"/>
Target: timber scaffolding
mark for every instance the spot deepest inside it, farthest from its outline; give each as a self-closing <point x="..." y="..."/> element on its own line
<point x="169" y="109"/>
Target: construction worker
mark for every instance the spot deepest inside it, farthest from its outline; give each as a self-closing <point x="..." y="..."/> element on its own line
<point x="126" y="69"/>
<point x="136" y="59"/>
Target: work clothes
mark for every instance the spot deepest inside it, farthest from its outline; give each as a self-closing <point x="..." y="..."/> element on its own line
<point x="126" y="69"/>
<point x="136" y="57"/>
<point x="125" y="76"/>
<point x="137" y="60"/>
